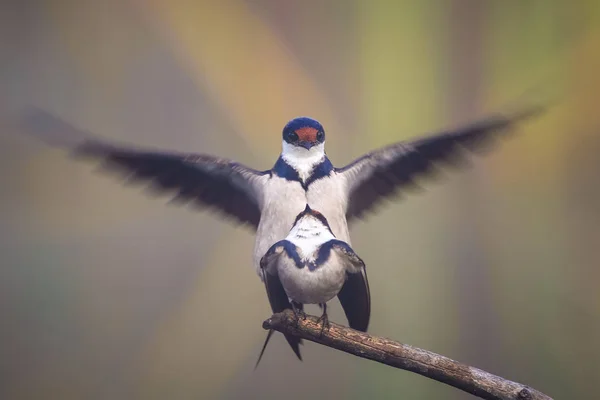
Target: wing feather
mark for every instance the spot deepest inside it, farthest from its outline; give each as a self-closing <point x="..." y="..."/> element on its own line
<point x="206" y="181"/>
<point x="384" y="172"/>
<point x="355" y="296"/>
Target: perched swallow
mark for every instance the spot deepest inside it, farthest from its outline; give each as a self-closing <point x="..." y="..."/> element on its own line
<point x="269" y="201"/>
<point x="311" y="266"/>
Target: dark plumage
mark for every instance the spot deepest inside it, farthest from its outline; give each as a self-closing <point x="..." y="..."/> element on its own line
<point x="383" y="172"/>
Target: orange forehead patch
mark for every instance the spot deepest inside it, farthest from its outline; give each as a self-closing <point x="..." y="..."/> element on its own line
<point x="307" y="134"/>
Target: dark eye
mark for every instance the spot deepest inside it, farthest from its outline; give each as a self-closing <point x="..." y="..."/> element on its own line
<point x="292" y="137"/>
<point x="320" y="136"/>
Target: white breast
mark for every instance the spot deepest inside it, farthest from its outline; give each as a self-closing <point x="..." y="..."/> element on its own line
<point x="283" y="200"/>
<point x="308" y="234"/>
<point x="312" y="287"/>
<point x="302" y="160"/>
<point x="328" y="196"/>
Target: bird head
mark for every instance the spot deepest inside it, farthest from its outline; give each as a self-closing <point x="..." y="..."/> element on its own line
<point x="304" y="133"/>
<point x="312" y="216"/>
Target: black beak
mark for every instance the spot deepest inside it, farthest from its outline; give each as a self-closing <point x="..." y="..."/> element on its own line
<point x="306" y="145"/>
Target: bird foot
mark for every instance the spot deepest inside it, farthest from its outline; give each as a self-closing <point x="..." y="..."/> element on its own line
<point x="325" y="320"/>
<point x="298" y="313"/>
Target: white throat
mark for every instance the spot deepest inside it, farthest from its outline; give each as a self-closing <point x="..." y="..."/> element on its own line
<point x="301" y="159"/>
<point x="308" y="234"/>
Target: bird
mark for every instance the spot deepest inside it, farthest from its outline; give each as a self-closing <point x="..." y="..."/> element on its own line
<point x="268" y="201"/>
<point x="312" y="266"/>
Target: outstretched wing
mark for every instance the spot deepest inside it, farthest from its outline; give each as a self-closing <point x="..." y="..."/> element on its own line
<point x="383" y="172"/>
<point x="204" y="180"/>
<point x="354" y="296"/>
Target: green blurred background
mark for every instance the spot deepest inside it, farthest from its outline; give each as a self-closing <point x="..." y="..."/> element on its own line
<point x="106" y="293"/>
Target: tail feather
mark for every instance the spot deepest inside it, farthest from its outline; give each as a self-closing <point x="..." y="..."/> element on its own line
<point x="264" y="347"/>
<point x="293" y="341"/>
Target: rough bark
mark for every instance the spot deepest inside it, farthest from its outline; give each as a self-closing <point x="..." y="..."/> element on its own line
<point x="434" y="366"/>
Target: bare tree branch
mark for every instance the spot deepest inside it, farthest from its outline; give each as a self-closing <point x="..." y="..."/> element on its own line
<point x="472" y="380"/>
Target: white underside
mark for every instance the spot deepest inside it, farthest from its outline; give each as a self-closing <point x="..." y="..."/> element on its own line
<point x="281" y="202"/>
<point x="312" y="287"/>
<point x="301" y="284"/>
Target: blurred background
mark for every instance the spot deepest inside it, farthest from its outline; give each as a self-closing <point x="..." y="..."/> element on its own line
<point x="107" y="293"/>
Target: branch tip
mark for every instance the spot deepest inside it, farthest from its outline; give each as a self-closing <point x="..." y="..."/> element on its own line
<point x="267" y="324"/>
